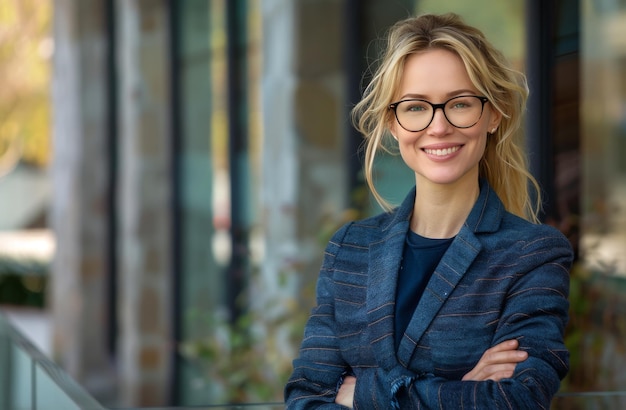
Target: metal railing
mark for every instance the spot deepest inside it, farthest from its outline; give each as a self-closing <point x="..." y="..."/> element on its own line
<point x="31" y="381"/>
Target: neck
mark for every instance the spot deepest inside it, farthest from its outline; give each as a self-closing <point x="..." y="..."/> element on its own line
<point x="440" y="210"/>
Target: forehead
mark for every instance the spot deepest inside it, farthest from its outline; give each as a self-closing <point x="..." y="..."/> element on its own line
<point x="434" y="73"/>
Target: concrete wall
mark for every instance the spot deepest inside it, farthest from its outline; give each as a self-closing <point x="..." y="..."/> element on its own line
<point x="304" y="178"/>
<point x="144" y="208"/>
<point x="78" y="213"/>
<point x="80" y="216"/>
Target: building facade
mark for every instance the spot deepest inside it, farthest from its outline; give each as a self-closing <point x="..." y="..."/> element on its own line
<point x="203" y="154"/>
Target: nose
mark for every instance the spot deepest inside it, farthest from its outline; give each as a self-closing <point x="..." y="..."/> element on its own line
<point x="439" y="125"/>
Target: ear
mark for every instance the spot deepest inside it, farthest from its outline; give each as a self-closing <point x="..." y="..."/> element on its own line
<point x="392" y="132"/>
<point x="494" y="121"/>
<point x="391" y="127"/>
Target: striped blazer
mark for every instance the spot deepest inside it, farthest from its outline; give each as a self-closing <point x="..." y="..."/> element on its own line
<point x="501" y="278"/>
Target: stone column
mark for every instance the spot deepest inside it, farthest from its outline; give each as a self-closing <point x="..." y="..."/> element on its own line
<point x="145" y="234"/>
<point x="79" y="216"/>
<point x="304" y="180"/>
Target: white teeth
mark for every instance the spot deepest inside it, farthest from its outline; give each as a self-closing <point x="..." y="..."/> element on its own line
<point x="441" y="152"/>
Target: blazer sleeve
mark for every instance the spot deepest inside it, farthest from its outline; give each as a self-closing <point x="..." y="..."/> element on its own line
<point x="319" y="369"/>
<point x="535" y="313"/>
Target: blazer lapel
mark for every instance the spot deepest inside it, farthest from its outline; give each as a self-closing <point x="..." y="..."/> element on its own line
<point x="484" y="217"/>
<point x="385" y="256"/>
<point x="455" y="262"/>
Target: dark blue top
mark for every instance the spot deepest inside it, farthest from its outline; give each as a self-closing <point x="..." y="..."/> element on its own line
<point x="419" y="260"/>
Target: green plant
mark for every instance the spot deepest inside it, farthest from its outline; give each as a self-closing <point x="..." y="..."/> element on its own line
<point x="596" y="330"/>
<point x="249" y="360"/>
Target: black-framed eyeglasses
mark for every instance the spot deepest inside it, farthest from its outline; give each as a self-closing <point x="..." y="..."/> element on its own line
<point x="415" y="115"/>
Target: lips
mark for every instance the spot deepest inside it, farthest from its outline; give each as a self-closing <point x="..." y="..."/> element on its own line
<point x="442" y="152"/>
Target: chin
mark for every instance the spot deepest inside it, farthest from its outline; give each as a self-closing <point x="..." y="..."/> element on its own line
<point x="450" y="178"/>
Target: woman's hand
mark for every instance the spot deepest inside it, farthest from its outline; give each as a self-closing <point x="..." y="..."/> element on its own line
<point x="498" y="362"/>
<point x="345" y="395"/>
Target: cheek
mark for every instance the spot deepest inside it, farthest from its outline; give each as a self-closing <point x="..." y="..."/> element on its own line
<point x="481" y="146"/>
<point x="406" y="140"/>
<point x="403" y="138"/>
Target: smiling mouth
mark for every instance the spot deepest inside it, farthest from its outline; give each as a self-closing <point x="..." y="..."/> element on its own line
<point x="442" y="152"/>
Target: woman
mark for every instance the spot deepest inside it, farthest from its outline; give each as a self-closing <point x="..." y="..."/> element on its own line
<point x="458" y="297"/>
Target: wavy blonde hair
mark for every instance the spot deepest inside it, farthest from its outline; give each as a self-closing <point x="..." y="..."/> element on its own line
<point x="504" y="163"/>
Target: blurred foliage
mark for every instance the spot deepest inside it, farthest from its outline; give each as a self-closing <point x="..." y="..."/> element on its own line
<point x="596" y="331"/>
<point x="23" y="281"/>
<point x="249" y="360"/>
<point x="26" y="48"/>
<point x="20" y="290"/>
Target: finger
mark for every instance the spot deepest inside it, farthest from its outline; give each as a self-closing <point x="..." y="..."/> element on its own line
<point x="508" y="356"/>
<point x="349" y="380"/>
<point x="492" y="372"/>
<point x="514" y="356"/>
<point x="504" y="374"/>
<point x="504" y="346"/>
<point x="493" y="362"/>
<point x="485" y="367"/>
<point x="345" y="395"/>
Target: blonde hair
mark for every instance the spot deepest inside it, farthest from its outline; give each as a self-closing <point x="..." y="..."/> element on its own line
<point x="504" y="163"/>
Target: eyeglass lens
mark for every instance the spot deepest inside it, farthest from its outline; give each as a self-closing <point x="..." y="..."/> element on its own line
<point x="461" y="112"/>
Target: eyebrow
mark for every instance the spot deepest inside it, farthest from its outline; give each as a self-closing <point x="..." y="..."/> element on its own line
<point x="448" y="95"/>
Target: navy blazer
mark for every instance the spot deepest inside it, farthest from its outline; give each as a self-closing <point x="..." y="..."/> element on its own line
<point x="501" y="278"/>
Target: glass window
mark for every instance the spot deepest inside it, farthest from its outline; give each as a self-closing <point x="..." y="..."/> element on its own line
<point x="598" y="295"/>
<point x="217" y="156"/>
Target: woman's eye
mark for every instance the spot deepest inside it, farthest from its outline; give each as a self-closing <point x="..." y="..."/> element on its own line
<point x="415" y="108"/>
